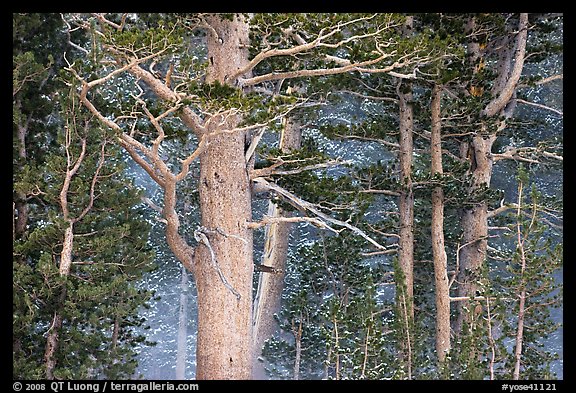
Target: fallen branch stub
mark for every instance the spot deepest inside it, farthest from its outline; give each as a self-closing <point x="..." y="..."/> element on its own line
<point x="258" y="267"/>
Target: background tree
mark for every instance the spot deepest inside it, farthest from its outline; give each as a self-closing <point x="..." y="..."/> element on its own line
<point x="83" y="247"/>
<point x="192" y="99"/>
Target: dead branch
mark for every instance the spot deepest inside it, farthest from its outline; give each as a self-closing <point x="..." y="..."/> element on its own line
<point x="201" y="238"/>
<point x="540" y="106"/>
<point x="270" y="171"/>
<point x="310" y="207"/>
<point x="267" y="220"/>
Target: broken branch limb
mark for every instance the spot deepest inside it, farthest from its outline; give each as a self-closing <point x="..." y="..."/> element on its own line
<point x="305" y="205"/>
<point x="267" y="220"/>
<point x="201" y="238"/>
<point x="271" y="170"/>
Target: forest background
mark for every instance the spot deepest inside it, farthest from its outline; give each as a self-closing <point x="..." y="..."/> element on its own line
<point x="287" y="196"/>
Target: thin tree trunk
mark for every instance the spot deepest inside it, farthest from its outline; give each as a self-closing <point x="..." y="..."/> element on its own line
<point x="52" y="344"/>
<point x="20" y="202"/>
<point x="270" y="285"/>
<point x="53" y="337"/>
<point x="406" y="216"/>
<point x="182" y="324"/>
<point x="522" y="305"/>
<point x="297" y="331"/>
<point x="438" y="250"/>
<point x="115" y="333"/>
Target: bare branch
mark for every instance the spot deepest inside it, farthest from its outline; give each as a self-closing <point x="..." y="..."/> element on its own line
<point x="270" y="171"/>
<point x="93" y="184"/>
<point x="384" y="192"/>
<point x="189" y="118"/>
<point x="315" y="72"/>
<point x="540" y="106"/>
<point x="267" y="220"/>
<point x="201" y="238"/>
<point x="140" y="161"/>
<point x="103" y="19"/>
<point x="310" y="207"/>
<point x="544" y="80"/>
<point x="306" y="46"/>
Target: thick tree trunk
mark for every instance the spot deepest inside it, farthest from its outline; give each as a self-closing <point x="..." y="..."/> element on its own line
<point x="270" y="285"/>
<point x="474" y="220"/>
<point x="437" y="232"/>
<point x="224" y="347"/>
<point x="225" y="322"/>
<point x="475" y="229"/>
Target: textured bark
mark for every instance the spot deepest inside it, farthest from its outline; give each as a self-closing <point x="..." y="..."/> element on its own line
<point x="405" y="290"/>
<point x="228" y="43"/>
<point x="437" y="232"/>
<point x="182" y="322"/>
<point x="474" y="224"/>
<point x="474" y="220"/>
<point x="224" y="322"/>
<point x="522" y="304"/>
<point x="270" y="286"/>
<point x="54" y="334"/>
<point x="52" y="344"/>
<point x="406" y="200"/>
<point x="224" y="347"/>
<point x="20" y="202"/>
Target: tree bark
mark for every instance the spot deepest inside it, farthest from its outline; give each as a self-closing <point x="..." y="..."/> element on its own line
<point x="270" y="285"/>
<point x="474" y="220"/>
<point x="225" y="322"/>
<point x="437" y="232"/>
<point x="54" y="333"/>
<point x="20" y="202"/>
<point x="474" y="224"/>
<point x="522" y="304"/>
<point x="224" y="346"/>
<point x="406" y="216"/>
<point x="182" y="323"/>
<point x="405" y="287"/>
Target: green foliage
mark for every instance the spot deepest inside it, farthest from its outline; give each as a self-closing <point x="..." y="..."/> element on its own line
<point x="337" y="300"/>
<point x="345" y="304"/>
<point x="444" y="35"/>
<point x="110" y="251"/>
<point x="542" y="258"/>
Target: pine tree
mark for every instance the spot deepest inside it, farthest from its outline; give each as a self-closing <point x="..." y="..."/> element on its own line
<point x="75" y="304"/>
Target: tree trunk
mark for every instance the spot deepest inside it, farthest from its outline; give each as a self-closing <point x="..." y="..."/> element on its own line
<point x="406" y="216"/>
<point x="474" y="220"/>
<point x="182" y="323"/>
<point x="522" y="305"/>
<point x="52" y="344"/>
<point x="224" y="347"/>
<point x="270" y="285"/>
<point x="54" y="333"/>
<point x="475" y="229"/>
<point x="225" y="322"/>
<point x="20" y="202"/>
<point x="437" y="232"/>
